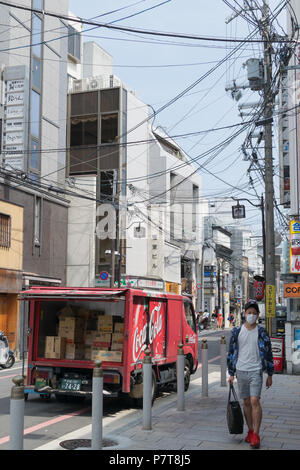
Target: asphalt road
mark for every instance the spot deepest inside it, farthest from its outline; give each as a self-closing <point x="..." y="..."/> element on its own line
<point x="48" y="420"/>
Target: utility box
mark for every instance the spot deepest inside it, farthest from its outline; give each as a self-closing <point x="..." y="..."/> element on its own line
<point x="255" y="71"/>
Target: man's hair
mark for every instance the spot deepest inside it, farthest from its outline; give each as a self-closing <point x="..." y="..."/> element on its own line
<point x="252" y="303"/>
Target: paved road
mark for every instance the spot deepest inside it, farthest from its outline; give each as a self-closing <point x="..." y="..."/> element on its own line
<point x="48" y="420"/>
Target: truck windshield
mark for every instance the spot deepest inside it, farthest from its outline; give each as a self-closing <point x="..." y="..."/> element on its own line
<point x="189" y="315"/>
<point x="79" y="330"/>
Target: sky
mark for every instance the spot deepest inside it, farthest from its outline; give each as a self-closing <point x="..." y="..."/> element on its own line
<point x="159" y="68"/>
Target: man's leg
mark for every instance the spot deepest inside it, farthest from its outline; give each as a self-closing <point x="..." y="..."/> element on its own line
<point x="256" y="413"/>
<point x="248" y="412"/>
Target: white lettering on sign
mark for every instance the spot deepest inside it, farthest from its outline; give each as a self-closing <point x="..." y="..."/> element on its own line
<point x="140" y="334"/>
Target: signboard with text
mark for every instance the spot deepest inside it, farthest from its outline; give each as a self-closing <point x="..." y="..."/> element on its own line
<point x="270" y="301"/>
<point x="295" y="247"/>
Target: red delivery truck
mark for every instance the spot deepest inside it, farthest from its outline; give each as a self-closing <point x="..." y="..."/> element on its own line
<point x="71" y="328"/>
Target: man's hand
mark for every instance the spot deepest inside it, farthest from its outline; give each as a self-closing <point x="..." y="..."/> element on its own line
<point x="231" y="379"/>
<point x="269" y="381"/>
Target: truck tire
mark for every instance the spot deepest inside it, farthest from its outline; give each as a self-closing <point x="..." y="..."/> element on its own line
<point x="187" y="374"/>
<point x="137" y="392"/>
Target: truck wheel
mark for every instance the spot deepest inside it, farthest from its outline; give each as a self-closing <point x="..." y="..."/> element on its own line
<point x="187" y="374"/>
<point x="139" y="401"/>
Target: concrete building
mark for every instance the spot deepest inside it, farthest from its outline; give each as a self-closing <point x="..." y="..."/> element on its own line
<point x="117" y="160"/>
<point x="33" y="102"/>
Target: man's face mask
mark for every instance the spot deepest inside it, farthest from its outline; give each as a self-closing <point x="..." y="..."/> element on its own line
<point x="251" y="318"/>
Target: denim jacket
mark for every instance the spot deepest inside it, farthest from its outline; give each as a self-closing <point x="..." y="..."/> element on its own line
<point x="265" y="351"/>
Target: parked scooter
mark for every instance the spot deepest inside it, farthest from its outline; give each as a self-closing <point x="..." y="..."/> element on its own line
<point x="7" y="357"/>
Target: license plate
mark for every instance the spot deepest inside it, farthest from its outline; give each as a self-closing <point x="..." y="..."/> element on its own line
<point x="71" y="384"/>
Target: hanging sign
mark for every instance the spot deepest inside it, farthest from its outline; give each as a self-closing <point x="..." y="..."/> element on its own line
<point x="295" y="247"/>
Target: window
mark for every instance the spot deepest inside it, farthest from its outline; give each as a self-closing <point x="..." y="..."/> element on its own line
<point x="36" y="35"/>
<point x="34" y="155"/>
<point x="35" y="113"/>
<point x="37" y="220"/>
<point x="84" y="131"/>
<point x="5" y="230"/>
<point x="109" y="128"/>
<point x="189" y="315"/>
<point x="36" y="73"/>
<point x="74" y="42"/>
<point x="109" y="100"/>
<point x="37" y="4"/>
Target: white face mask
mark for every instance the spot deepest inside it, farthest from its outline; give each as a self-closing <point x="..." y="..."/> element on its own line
<point x="251" y="318"/>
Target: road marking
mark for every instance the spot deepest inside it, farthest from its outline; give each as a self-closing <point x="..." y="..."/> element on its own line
<point x="210" y="360"/>
<point x="37" y="427"/>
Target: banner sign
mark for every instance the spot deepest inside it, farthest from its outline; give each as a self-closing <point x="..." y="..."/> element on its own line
<point x="270" y="301"/>
<point x="277" y="352"/>
<point x="295" y="247"/>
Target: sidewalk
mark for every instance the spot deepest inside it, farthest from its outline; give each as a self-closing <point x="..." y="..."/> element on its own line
<point x="202" y="426"/>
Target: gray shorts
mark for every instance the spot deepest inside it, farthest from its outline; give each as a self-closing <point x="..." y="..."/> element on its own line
<point x="249" y="383"/>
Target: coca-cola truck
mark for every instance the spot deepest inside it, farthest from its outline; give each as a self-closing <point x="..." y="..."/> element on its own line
<point x="71" y="328"/>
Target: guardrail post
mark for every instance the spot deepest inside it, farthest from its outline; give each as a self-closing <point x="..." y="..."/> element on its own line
<point x="223" y="361"/>
<point x="180" y="377"/>
<point x="147" y="391"/>
<point x="97" y="406"/>
<point x="17" y="407"/>
<point x="204" y="359"/>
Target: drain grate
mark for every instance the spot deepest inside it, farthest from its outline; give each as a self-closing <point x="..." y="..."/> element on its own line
<point x="74" y="444"/>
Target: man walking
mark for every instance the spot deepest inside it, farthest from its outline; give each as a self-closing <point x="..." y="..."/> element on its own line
<point x="249" y="355"/>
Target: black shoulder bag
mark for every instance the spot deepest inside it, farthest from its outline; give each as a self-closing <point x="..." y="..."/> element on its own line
<point x="235" y="420"/>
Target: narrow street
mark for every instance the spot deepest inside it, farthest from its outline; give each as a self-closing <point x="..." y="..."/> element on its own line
<point x="48" y="420"/>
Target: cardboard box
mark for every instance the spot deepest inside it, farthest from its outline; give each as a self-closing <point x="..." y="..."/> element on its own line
<point x="102" y="340"/>
<point x="89" y="337"/>
<point x="72" y="328"/>
<point x="116" y="347"/>
<point x="75" y="351"/>
<point x="88" y="353"/>
<point x="119" y="328"/>
<point x="55" y="347"/>
<point x="105" y="323"/>
<point x="106" y="356"/>
<point x="117" y="342"/>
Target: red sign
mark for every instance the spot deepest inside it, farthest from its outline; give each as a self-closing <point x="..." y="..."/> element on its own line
<point x="259" y="290"/>
<point x="277" y="351"/>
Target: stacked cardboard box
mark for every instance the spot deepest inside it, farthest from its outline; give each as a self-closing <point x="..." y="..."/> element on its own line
<point x="105" y="323"/>
<point x="55" y="347"/>
<point x="117" y="342"/>
<point x="75" y="351"/>
<point x="106" y="356"/>
<point x="72" y="328"/>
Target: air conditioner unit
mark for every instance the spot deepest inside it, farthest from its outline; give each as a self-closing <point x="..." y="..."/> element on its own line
<point x="77" y="85"/>
<point x="96" y="83"/>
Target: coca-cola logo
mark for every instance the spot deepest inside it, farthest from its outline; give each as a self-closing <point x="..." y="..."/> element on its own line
<point x="140" y="334"/>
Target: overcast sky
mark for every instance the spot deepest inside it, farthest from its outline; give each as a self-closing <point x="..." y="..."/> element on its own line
<point x="176" y="64"/>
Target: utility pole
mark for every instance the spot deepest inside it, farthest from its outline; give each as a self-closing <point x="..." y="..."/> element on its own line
<point x="270" y="297"/>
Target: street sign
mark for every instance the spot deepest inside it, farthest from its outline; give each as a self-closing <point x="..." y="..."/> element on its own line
<point x="104" y="275"/>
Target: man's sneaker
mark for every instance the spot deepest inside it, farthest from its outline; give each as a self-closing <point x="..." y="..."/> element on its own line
<point x="249" y="435"/>
<point x="255" y="441"/>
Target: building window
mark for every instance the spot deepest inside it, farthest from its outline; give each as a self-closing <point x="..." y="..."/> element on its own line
<point x="5" y="230"/>
<point x="37" y="4"/>
<point x="35" y="113"/>
<point x="84" y="131"/>
<point x="36" y="35"/>
<point x="37" y="220"/>
<point x="34" y="155"/>
<point x="36" y="73"/>
<point x="109" y="128"/>
<point x="74" y="42"/>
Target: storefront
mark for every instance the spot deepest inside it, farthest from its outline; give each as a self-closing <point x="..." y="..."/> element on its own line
<point x="292" y="327"/>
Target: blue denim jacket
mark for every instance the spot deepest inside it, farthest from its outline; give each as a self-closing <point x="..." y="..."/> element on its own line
<point x="265" y="350"/>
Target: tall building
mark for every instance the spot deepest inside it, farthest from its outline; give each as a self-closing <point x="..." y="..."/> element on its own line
<point x="33" y="62"/>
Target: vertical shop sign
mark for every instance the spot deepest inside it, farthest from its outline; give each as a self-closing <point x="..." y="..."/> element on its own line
<point x="270" y="302"/>
<point x="294" y="247"/>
